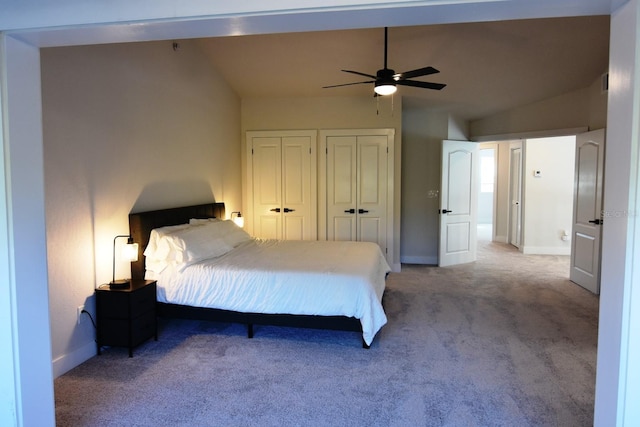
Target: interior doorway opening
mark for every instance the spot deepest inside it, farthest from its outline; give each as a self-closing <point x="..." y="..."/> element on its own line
<point x="486" y="197"/>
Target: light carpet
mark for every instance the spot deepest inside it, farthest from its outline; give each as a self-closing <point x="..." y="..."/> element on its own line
<point x="505" y="341"/>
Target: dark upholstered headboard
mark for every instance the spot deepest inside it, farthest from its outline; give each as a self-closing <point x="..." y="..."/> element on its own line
<point x="141" y="224"/>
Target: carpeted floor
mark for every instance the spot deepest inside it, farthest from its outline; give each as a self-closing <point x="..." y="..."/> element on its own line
<point x="505" y="341"/>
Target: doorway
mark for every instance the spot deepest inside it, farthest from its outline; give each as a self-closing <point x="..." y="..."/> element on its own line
<point x="486" y="197"/>
<point x="529" y="184"/>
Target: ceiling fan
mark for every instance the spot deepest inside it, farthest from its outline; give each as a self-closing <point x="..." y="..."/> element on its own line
<point x="385" y="80"/>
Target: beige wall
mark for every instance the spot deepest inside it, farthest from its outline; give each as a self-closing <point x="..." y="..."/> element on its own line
<point x="583" y="108"/>
<point x="127" y="127"/>
<point x="423" y="132"/>
<point x="548" y="199"/>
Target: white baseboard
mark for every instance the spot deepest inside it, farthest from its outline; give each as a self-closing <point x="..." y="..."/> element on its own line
<point x="545" y="250"/>
<point x="501" y="239"/>
<point x="425" y="260"/>
<point x="68" y="361"/>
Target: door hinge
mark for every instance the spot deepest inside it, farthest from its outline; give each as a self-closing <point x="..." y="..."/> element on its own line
<point x="252" y="151"/>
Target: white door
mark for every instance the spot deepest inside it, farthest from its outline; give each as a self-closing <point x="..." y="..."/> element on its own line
<point x="458" y="203"/>
<point x="281" y="183"/>
<point x="587" y="210"/>
<point x="342" y="194"/>
<point x="357" y="188"/>
<point x="515" y="196"/>
<point x="297" y="196"/>
<point x="267" y="187"/>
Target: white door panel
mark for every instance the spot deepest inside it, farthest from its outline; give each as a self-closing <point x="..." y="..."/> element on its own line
<point x="587" y="210"/>
<point x="266" y="167"/>
<point x="282" y="184"/>
<point x="369" y="230"/>
<point x="296" y="188"/>
<point x="358" y="189"/>
<point x="341" y="188"/>
<point x="515" y="195"/>
<point x="458" y="203"/>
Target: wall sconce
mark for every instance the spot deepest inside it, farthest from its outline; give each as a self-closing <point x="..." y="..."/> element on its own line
<point x="238" y="219"/>
<point x="129" y="253"/>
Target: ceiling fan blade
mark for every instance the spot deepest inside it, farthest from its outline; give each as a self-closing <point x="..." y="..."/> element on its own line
<point x="359" y="73"/>
<point x="415" y="73"/>
<point x="348" y="84"/>
<point x="425" y="85"/>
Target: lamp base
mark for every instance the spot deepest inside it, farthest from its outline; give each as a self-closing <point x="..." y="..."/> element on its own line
<point x="119" y="284"/>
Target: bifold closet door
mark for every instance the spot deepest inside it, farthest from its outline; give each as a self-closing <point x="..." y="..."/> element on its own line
<point x="282" y="186"/>
<point x="357" y="188"/>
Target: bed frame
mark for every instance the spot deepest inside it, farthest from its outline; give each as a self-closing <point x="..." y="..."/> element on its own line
<point x="140" y="226"/>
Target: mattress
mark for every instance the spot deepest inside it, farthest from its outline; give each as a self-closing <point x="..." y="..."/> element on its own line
<point x="323" y="278"/>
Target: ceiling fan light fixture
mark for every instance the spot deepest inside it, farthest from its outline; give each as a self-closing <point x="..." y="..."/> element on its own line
<point x="385" y="89"/>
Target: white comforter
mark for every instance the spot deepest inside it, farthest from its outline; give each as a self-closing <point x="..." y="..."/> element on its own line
<point x="287" y="277"/>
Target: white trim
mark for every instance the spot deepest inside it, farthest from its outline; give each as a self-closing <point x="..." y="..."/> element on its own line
<point x="545" y="250"/>
<point x="530" y="135"/>
<point x="68" y="361"/>
<point x="422" y="260"/>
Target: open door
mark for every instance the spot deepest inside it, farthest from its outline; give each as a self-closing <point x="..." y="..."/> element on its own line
<point x="458" y="203"/>
<point x="515" y="194"/>
<point x="587" y="210"/>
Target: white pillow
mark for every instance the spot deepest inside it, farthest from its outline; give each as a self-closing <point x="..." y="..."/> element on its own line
<point x="201" y="221"/>
<point x="201" y="242"/>
<point x="232" y="234"/>
<point x="152" y="251"/>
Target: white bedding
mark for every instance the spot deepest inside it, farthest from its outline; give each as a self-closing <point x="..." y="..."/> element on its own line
<point x="286" y="277"/>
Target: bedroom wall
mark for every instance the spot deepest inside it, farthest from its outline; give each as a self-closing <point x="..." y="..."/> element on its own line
<point x="586" y="107"/>
<point x="127" y="127"/>
<point x="548" y="199"/>
<point x="423" y="132"/>
<point x="329" y="113"/>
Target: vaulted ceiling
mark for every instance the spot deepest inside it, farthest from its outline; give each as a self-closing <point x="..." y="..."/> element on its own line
<point x="488" y="66"/>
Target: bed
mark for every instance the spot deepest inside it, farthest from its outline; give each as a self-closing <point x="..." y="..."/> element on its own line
<point x="312" y="284"/>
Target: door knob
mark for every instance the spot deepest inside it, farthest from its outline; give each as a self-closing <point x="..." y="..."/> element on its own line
<point x="446" y="211"/>
<point x="351" y="211"/>
<point x="275" y="210"/>
<point x="596" y="221"/>
<point x="289" y="210"/>
<point x="361" y="211"/>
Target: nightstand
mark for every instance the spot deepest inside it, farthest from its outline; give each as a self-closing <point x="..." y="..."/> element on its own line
<point x="126" y="317"/>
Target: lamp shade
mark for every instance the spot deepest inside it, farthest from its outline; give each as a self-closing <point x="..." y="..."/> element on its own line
<point x="130" y="252"/>
<point x="237" y="219"/>
<point x="385" y="89"/>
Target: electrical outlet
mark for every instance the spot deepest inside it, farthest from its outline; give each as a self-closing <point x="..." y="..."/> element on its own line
<point x="80" y="310"/>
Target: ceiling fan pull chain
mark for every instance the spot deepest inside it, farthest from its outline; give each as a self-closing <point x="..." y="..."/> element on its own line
<point x="392" y="104"/>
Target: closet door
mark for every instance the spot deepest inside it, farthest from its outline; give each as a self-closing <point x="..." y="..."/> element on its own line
<point x="281" y="184"/>
<point x="357" y="181"/>
<point x="296" y="189"/>
<point x="371" y="184"/>
<point x="342" y="197"/>
<point x="267" y="187"/>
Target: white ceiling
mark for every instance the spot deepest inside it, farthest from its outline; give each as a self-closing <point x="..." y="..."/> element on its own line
<point x="488" y="66"/>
